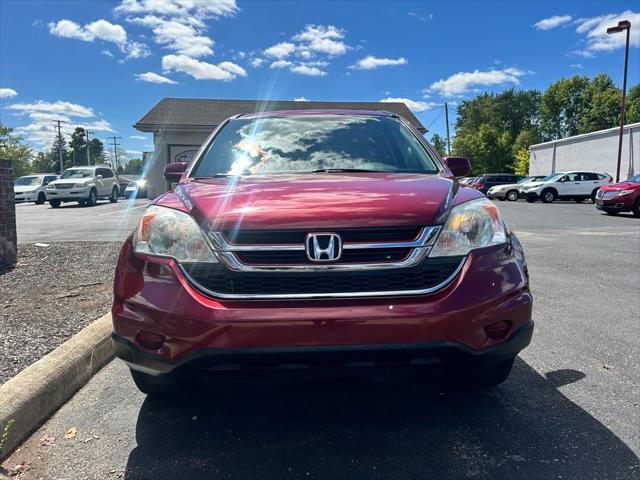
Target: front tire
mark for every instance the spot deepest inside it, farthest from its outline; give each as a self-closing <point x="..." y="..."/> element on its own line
<point x="512" y="195"/>
<point x="54" y="203"/>
<point x="41" y="198"/>
<point x="155" y="386"/>
<point x="486" y="376"/>
<point x="114" y="195"/>
<point x="93" y="198"/>
<point x="548" y="196"/>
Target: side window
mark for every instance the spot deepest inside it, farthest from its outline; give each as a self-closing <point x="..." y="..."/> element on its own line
<point x="48" y="179"/>
<point x="589" y="176"/>
<point x="108" y="173"/>
<point x="101" y="171"/>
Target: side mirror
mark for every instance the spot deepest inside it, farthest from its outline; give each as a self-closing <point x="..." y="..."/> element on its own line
<point x="99" y="177"/>
<point x="173" y="171"/>
<point x="459" y="166"/>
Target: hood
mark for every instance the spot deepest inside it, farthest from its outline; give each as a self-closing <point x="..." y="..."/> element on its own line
<point x="612" y="187"/>
<point x="320" y="200"/>
<point x="65" y="181"/>
<point x="24" y="188"/>
<point x="506" y="186"/>
<point x="532" y="184"/>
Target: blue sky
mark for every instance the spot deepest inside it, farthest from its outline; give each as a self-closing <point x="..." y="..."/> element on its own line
<point x="104" y="64"/>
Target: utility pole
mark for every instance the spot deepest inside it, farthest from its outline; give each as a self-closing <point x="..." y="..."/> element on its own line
<point x="88" y="149"/>
<point x="446" y="119"/>
<point x="60" y="145"/>
<point x="115" y="151"/>
<point x="621" y="27"/>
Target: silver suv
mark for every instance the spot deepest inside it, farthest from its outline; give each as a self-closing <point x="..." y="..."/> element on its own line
<point x="84" y="185"/>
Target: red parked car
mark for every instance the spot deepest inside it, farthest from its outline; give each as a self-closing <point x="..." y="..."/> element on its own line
<point x="319" y="241"/>
<point x="620" y="197"/>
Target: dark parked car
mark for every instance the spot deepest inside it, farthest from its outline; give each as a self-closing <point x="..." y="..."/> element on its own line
<point x="484" y="182"/>
<point x="316" y="241"/>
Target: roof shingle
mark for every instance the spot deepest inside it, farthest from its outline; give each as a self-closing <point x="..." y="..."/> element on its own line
<point x="206" y="114"/>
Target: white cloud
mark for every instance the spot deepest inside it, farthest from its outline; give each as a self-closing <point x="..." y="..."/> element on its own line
<point x="281" y="64"/>
<point x="138" y="137"/>
<point x="577" y="65"/>
<point x="307" y="70"/>
<point x="177" y="35"/>
<point x="462" y="82"/>
<point x="322" y="39"/>
<point x="301" y="99"/>
<point x="257" y="62"/>
<point x="595" y="32"/>
<point x="552" y="22"/>
<point x="107" y="53"/>
<point x="154" y="78"/>
<point x="370" y="62"/>
<point x="7" y="92"/>
<point x="280" y="50"/>
<point x="99" y="30"/>
<point x="41" y="129"/>
<point x="178" y="25"/>
<point x="199" y="9"/>
<point x="59" y="107"/>
<point x="414" y="105"/>
<point x="224" y="71"/>
<point x="308" y="50"/>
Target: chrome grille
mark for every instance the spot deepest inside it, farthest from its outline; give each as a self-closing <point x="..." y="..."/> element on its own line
<point x="64" y="185"/>
<point x="385" y="249"/>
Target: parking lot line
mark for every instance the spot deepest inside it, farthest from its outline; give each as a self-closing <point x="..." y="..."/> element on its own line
<point x="122" y="210"/>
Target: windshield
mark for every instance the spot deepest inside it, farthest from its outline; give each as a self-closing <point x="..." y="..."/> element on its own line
<point x="23" y="181"/>
<point x="305" y="143"/>
<point x="526" y="179"/>
<point x="77" y="173"/>
<point x="634" y="179"/>
<point x="551" y="177"/>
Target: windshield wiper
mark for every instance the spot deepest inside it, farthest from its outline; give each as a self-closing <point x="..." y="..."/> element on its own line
<point x="215" y="175"/>
<point x="332" y="170"/>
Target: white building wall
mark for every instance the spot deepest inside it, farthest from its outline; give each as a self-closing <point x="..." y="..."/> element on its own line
<point x="596" y="151"/>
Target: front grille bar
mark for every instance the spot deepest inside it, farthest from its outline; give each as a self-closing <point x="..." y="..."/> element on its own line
<point x="421" y="246"/>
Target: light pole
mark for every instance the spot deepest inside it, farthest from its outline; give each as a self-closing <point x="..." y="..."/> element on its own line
<point x="621" y="27"/>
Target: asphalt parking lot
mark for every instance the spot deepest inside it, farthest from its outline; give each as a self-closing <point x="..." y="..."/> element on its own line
<point x="570" y="409"/>
<point x="104" y="222"/>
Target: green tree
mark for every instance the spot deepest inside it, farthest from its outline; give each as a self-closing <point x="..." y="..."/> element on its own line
<point x="562" y="105"/>
<point x="601" y="105"/>
<point x="488" y="149"/>
<point x="96" y="147"/>
<point x="54" y="154"/>
<point x="44" y="162"/>
<point x="439" y="144"/>
<point x="632" y="114"/>
<point x="12" y="148"/>
<point x="134" y="166"/>
<point x="521" y="164"/>
<point x="78" y="146"/>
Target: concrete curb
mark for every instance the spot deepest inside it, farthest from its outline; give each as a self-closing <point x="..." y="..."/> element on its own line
<point x="34" y="394"/>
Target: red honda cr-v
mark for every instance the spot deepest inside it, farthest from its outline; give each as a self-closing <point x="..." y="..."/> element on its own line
<point x="319" y="241"/>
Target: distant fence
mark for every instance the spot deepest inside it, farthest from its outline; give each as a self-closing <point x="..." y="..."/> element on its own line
<point x="8" y="239"/>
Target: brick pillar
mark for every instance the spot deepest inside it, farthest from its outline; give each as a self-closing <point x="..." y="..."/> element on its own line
<point x="8" y="239"/>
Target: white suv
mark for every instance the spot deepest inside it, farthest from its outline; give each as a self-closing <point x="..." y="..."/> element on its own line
<point x="84" y="185"/>
<point x="578" y="186"/>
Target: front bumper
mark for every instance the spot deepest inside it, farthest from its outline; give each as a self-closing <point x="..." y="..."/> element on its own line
<point x="615" y="204"/>
<point x="321" y="358"/>
<point x="25" y="197"/>
<point x="152" y="295"/>
<point x="68" y="194"/>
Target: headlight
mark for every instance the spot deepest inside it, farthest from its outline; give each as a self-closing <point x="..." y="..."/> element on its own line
<point x="80" y="185"/>
<point x="624" y="192"/>
<point x="50" y="186"/>
<point x="166" y="232"/>
<point x="470" y="225"/>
